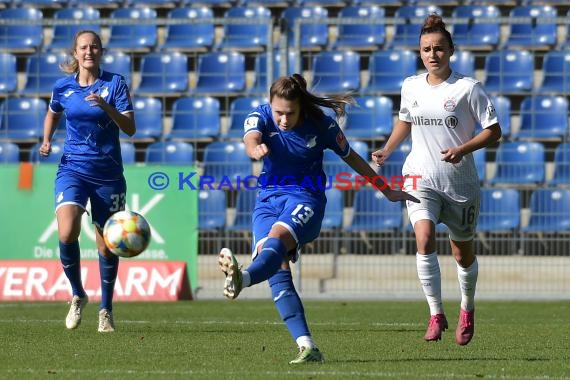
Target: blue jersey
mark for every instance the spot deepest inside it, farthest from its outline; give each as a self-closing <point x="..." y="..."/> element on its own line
<point x="296" y="155"/>
<point x="92" y="144"/>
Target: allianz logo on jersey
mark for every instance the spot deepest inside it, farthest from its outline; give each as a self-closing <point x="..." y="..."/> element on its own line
<point x="450" y="122"/>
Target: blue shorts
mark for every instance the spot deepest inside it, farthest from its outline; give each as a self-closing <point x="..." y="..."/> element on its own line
<point x="106" y="197"/>
<point x="301" y="212"/>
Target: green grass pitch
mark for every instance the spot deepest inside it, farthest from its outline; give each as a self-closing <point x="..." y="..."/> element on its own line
<point x="245" y="339"/>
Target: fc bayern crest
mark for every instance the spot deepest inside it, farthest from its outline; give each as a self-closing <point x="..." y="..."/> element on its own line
<point x="449" y="105"/>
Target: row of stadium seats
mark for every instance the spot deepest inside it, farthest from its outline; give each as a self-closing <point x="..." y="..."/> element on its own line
<point x="549" y="211"/>
<point x="520" y="164"/>
<point x="167" y="4"/>
<point x="202" y="118"/>
<point x="251" y="28"/>
<point x="224" y="73"/>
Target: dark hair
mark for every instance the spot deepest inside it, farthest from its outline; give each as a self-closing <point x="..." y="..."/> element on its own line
<point x="434" y="24"/>
<point x="71" y="65"/>
<point x="295" y="87"/>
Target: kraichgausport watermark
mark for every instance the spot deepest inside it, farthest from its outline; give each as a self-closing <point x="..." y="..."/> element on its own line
<point x="341" y="180"/>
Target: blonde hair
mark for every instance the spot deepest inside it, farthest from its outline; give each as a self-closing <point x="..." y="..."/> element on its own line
<point x="71" y="65"/>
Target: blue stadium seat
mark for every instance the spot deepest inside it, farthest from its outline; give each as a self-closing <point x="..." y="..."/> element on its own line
<point x="500" y="210"/>
<point x="476" y="26"/>
<point x="9" y="153"/>
<point x="226" y="161"/>
<point x="196" y="35"/>
<point x="408" y="21"/>
<point x="561" y="172"/>
<point x="260" y="83"/>
<point x="22" y="119"/>
<point x="532" y="27"/>
<point x="23" y="38"/>
<point x="245" y="202"/>
<point x="480" y="158"/>
<point x="42" y="70"/>
<point x="41" y="4"/>
<point x="368" y="35"/>
<point x="118" y="62"/>
<point x="8" y="73"/>
<point x="312" y="36"/>
<point x="220" y="73"/>
<point x="268" y="3"/>
<point x="210" y="3"/>
<point x="334" y="210"/>
<point x="195" y="118"/>
<point x="509" y="71"/>
<point x="158" y="4"/>
<point x="212" y="210"/>
<point x="549" y="211"/>
<point x="381" y="3"/>
<point x="249" y="32"/>
<point x="520" y="163"/>
<point x="170" y="152"/>
<point x="239" y="108"/>
<point x="374" y="213"/>
<point x="336" y="72"/>
<point x="163" y="74"/>
<point x="333" y="164"/>
<point x="555" y="73"/>
<point x="543" y="117"/>
<point x="370" y="118"/>
<point x="53" y="158"/>
<point x="133" y="36"/>
<point x="503" y="108"/>
<point x="463" y="61"/>
<point x="64" y="34"/>
<point x="128" y="152"/>
<point x="98" y="4"/>
<point x="392" y="168"/>
<point x="388" y="69"/>
<point x="321" y="3"/>
<point x="148" y="119"/>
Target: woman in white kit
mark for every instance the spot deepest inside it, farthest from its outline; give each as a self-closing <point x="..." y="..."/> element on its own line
<point x="440" y="109"/>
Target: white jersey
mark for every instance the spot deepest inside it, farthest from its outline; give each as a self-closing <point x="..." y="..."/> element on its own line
<point x="442" y="117"/>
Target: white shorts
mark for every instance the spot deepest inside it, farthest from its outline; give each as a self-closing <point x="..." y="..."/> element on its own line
<point x="460" y="218"/>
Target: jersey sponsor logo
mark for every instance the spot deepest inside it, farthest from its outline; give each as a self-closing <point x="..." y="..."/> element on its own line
<point x="341" y="140"/>
<point x="104" y="92"/>
<point x="311" y="141"/>
<point x="451" y="122"/>
<point x="491" y="111"/>
<point x="420" y="120"/>
<point x="250" y="123"/>
<point x="449" y="105"/>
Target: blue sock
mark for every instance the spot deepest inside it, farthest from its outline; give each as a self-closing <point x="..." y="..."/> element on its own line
<point x="268" y="261"/>
<point x="108" y="268"/>
<point x="288" y="303"/>
<point x="69" y="254"/>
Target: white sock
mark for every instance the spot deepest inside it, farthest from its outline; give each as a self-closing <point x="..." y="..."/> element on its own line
<point x="430" y="278"/>
<point x="245" y="279"/>
<point x="467" y="283"/>
<point x="305" y="341"/>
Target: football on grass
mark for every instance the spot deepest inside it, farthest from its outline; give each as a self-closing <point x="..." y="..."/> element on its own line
<point x="126" y="233"/>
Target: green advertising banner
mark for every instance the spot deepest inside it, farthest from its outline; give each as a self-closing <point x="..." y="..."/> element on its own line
<point x="29" y="227"/>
